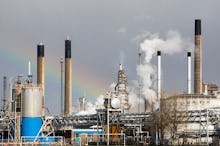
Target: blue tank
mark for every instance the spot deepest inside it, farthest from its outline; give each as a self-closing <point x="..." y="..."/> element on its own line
<point x="31" y="126"/>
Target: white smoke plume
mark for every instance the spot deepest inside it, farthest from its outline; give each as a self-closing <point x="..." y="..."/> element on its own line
<point x="99" y="103"/>
<point x="172" y="43"/>
<point x="134" y="98"/>
<point x="91" y="108"/>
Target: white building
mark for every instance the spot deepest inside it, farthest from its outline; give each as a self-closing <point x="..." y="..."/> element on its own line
<point x="188" y="112"/>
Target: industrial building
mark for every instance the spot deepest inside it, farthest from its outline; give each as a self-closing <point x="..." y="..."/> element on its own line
<point x="202" y="130"/>
<point x="185" y="118"/>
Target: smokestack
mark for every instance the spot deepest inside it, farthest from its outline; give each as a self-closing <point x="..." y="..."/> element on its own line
<point x="158" y="74"/>
<point x="29" y="68"/>
<point x="68" y="78"/>
<point x="189" y="73"/>
<point x="198" y="58"/>
<point x="4" y="91"/>
<point x="61" y="92"/>
<point x="30" y="79"/>
<point x="40" y="72"/>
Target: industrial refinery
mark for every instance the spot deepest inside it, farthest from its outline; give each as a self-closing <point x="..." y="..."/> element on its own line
<point x="188" y="118"/>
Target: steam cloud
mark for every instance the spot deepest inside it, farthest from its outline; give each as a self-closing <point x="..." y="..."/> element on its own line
<point x="172" y="44"/>
<point x="91" y="108"/>
<point x="99" y="103"/>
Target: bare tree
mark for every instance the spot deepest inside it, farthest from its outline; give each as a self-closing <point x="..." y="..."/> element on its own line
<point x="169" y="117"/>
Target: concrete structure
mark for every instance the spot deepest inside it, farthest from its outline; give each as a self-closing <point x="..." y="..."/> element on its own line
<point x="198" y="58"/>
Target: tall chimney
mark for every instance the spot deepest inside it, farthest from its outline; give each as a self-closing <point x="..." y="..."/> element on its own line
<point x="198" y="58"/>
<point x="61" y="91"/>
<point x="68" y="78"/>
<point x="4" y="91"/>
<point x="189" y="73"/>
<point x="40" y="72"/>
<point x="158" y="74"/>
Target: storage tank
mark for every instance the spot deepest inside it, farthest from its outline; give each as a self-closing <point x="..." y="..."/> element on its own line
<point x="31" y="110"/>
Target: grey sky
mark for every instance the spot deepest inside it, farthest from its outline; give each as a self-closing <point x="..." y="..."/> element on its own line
<point x="102" y="33"/>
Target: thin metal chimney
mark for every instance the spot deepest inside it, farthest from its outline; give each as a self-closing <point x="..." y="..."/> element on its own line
<point x="189" y="73"/>
<point x="40" y="72"/>
<point x="4" y="91"/>
<point x="198" y="58"/>
<point x="68" y="78"/>
<point x="61" y="91"/>
<point x="158" y="74"/>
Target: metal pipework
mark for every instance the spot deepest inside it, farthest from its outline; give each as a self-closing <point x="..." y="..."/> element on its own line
<point x="189" y="73"/>
<point x="158" y="74"/>
<point x="40" y="72"/>
<point x="68" y="78"/>
<point x="198" y="58"/>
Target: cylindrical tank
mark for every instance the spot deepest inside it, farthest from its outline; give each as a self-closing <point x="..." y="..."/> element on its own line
<point x="31" y="110"/>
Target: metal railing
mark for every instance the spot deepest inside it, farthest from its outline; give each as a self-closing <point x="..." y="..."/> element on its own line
<point x="51" y="140"/>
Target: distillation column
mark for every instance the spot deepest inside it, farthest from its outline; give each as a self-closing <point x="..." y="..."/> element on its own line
<point x="122" y="89"/>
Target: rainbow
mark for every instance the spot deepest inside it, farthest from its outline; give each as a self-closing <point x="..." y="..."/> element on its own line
<point x="83" y="82"/>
